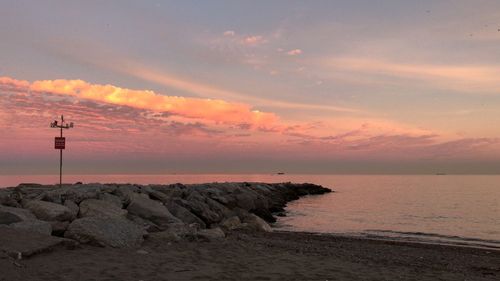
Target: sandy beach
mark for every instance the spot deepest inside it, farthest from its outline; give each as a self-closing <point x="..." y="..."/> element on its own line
<point x="261" y="256"/>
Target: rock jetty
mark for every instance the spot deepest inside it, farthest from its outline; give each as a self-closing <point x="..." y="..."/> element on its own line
<point x="123" y="215"/>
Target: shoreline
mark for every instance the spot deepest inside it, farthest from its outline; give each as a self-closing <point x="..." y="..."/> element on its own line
<point x="407" y="237"/>
<point x="395" y="240"/>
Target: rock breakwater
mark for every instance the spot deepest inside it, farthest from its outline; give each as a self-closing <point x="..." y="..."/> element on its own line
<point x="122" y="215"/>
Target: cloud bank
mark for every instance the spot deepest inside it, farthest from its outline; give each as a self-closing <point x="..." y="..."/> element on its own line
<point x="207" y="110"/>
<point x="122" y="124"/>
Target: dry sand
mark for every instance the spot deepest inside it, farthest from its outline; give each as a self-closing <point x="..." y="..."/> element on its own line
<point x="261" y="256"/>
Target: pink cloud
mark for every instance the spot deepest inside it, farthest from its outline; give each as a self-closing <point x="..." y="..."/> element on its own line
<point x="253" y="40"/>
<point x="204" y="109"/>
<point x="294" y="52"/>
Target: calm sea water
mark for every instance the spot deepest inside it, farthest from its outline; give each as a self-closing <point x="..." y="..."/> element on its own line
<point x="451" y="208"/>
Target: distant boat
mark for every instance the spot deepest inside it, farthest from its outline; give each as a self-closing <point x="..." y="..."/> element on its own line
<point x="440" y="174"/>
<point x="280" y="173"/>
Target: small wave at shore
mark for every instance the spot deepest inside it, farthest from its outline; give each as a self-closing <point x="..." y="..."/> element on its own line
<point x="408" y="237"/>
<point x="432" y="238"/>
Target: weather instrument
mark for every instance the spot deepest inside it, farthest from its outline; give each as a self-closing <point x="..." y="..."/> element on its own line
<point x="60" y="142"/>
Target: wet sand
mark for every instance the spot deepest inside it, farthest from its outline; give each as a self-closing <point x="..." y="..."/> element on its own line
<point x="261" y="256"/>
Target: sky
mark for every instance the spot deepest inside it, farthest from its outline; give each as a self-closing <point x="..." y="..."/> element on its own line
<point x="373" y="86"/>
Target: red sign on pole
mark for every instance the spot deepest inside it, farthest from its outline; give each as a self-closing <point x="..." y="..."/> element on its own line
<point x="60" y="143"/>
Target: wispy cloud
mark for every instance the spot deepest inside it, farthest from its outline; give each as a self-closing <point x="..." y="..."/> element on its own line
<point x="463" y="78"/>
<point x="203" y="90"/>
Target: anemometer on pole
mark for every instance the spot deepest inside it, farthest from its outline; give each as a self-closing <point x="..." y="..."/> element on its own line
<point x="60" y="142"/>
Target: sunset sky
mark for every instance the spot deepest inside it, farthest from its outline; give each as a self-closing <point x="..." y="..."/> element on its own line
<point x="251" y="86"/>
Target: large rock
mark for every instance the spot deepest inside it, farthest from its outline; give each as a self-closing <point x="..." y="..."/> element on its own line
<point x="19" y="243"/>
<point x="125" y="192"/>
<point x="172" y="190"/>
<point x="150" y="210"/>
<point x="49" y="211"/>
<point x="7" y="199"/>
<point x="35" y="225"/>
<point x="10" y="215"/>
<point x="147" y="225"/>
<point x="245" y="199"/>
<point x="73" y="207"/>
<point x="231" y="223"/>
<point x="240" y="213"/>
<point x="157" y="195"/>
<point x="212" y="234"/>
<point x="76" y="193"/>
<point x="113" y="232"/>
<point x="113" y="199"/>
<point x="252" y="199"/>
<point x="175" y="232"/>
<point x="256" y="223"/>
<point x="184" y="214"/>
<point x="196" y="203"/>
<point x="59" y="227"/>
<point x="100" y="208"/>
<point x="218" y="208"/>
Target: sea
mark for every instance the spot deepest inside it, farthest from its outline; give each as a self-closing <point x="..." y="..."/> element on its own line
<point x="445" y="209"/>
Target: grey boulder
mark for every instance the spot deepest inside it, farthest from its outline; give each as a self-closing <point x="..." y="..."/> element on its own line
<point x="112" y="199"/>
<point x="8" y="200"/>
<point x="256" y="223"/>
<point x="35" y="225"/>
<point x="195" y="202"/>
<point x="100" y="208"/>
<point x="212" y="234"/>
<point x="75" y="194"/>
<point x="125" y="192"/>
<point x="49" y="211"/>
<point x="112" y="232"/>
<point x="147" y="225"/>
<point x="150" y="210"/>
<point x="175" y="232"/>
<point x="10" y="215"/>
<point x="59" y="227"/>
<point x="184" y="214"/>
<point x="231" y="223"/>
<point x="73" y="207"/>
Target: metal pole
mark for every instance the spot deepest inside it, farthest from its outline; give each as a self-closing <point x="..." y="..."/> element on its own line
<point x="60" y="156"/>
<point x="60" y="142"/>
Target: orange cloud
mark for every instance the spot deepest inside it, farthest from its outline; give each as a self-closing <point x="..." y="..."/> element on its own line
<point x="8" y="82"/>
<point x="196" y="108"/>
